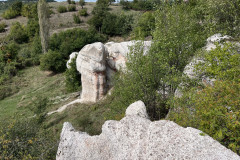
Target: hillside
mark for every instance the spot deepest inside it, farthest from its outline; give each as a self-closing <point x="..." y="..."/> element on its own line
<point x="178" y="60"/>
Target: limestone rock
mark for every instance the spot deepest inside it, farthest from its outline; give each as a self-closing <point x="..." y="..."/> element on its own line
<point x="71" y="57"/>
<point x="136" y="137"/>
<point x="117" y="52"/>
<point x="91" y="63"/>
<point x="98" y="63"/>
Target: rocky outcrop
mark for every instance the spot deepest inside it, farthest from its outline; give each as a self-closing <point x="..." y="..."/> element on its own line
<point x="91" y="63"/>
<point x="136" y="137"/>
<point x="190" y="71"/>
<point x="71" y="57"/>
<point x="97" y="64"/>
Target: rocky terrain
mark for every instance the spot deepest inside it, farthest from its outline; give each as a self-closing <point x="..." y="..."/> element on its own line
<point x="136" y="137"/>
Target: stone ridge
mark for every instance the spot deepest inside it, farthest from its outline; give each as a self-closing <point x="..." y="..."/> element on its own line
<point x="136" y="137"/>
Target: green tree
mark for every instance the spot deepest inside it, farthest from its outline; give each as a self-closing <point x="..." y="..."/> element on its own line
<point x="82" y="3"/>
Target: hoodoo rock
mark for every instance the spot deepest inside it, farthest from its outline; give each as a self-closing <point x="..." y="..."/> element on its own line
<point x="91" y="63"/>
<point x="136" y="137"/>
<point x="97" y="64"/>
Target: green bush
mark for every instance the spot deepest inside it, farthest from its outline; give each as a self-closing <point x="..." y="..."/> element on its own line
<point x="24" y="139"/>
<point x="9" y="14"/>
<point x="71" y="8"/>
<point x="18" y="33"/>
<point x="83" y="12"/>
<point x="82" y="3"/>
<point x="2" y="27"/>
<point x="32" y="28"/>
<point x="73" y="40"/>
<point x="29" y="11"/>
<point x="62" y="9"/>
<point x="73" y="77"/>
<point x="52" y="61"/>
<point x="76" y="19"/>
<point x="214" y="110"/>
<point x="145" y="26"/>
<point x="222" y="62"/>
<point x="13" y="11"/>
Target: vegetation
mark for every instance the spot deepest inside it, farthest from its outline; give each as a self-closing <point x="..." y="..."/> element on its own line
<point x="62" y="9"/>
<point x="83" y="12"/>
<point x="43" y="16"/>
<point x="218" y="104"/>
<point x="2" y="27"/>
<point x="82" y="3"/>
<point x="71" y="8"/>
<point x="179" y="31"/>
<point x="76" y="19"/>
<point x="73" y="77"/>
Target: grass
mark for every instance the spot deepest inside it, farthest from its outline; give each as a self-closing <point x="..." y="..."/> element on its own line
<point x="29" y="84"/>
<point x="32" y="83"/>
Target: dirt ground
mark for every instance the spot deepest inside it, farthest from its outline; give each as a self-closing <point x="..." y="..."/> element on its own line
<point x="64" y="21"/>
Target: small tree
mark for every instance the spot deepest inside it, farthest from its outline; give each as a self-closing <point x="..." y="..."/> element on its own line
<point x="82" y="3"/>
<point x="44" y="24"/>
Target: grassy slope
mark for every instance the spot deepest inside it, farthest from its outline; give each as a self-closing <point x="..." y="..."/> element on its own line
<point x="32" y="83"/>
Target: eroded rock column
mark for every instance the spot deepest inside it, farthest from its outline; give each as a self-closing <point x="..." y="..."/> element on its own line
<point x="91" y="63"/>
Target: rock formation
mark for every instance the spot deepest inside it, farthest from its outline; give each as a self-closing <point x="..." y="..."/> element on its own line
<point x="189" y="70"/>
<point x="97" y="64"/>
<point x="136" y="137"/>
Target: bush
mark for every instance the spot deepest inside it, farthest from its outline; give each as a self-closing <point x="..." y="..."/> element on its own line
<point x="2" y="27"/>
<point x="13" y="11"/>
<point x="52" y="61"/>
<point x="24" y="139"/>
<point x="32" y="28"/>
<point x="222" y="63"/>
<point x="214" y="110"/>
<point x="71" y="8"/>
<point x="83" y="12"/>
<point x="73" y="40"/>
<point x="73" y="77"/>
<point x="29" y="11"/>
<point x="145" y="26"/>
<point x="76" y="19"/>
<point x="18" y="33"/>
<point x="62" y="9"/>
<point x="9" y="14"/>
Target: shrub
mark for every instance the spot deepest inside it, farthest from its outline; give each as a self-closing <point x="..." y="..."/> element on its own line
<point x="29" y="11"/>
<point x="18" y="33"/>
<point x="73" y="77"/>
<point x="214" y="110"/>
<point x="9" y="14"/>
<point x="76" y="19"/>
<point x="32" y="28"/>
<point x="52" y="61"/>
<point x="83" y="12"/>
<point x="71" y="8"/>
<point x="73" y="40"/>
<point x="145" y="26"/>
<point x="13" y="11"/>
<point x="222" y="63"/>
<point x="2" y="27"/>
<point x="62" y="9"/>
<point x="24" y="139"/>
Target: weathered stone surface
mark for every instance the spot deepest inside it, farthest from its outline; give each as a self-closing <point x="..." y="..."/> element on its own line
<point x="117" y="53"/>
<point x="136" y="137"/>
<point x="71" y="57"/>
<point x="91" y="63"/>
<point x="97" y="64"/>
